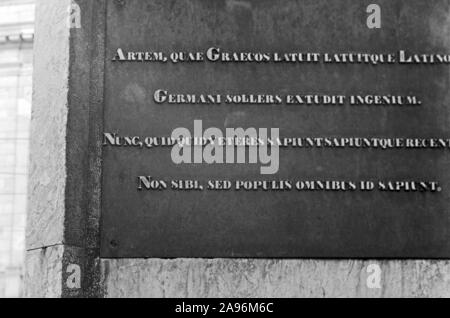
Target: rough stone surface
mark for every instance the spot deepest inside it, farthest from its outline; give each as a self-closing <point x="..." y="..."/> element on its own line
<point x="272" y="278"/>
<point x="43" y="272"/>
<point x="60" y="172"/>
<point x="47" y="180"/>
<point x="48" y="126"/>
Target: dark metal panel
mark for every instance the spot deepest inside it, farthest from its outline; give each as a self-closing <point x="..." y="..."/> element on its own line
<point x="276" y="224"/>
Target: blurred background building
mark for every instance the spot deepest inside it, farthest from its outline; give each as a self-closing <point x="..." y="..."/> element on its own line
<point x="16" y="44"/>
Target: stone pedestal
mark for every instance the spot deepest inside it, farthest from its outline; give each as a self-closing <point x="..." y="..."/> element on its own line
<point x="63" y="239"/>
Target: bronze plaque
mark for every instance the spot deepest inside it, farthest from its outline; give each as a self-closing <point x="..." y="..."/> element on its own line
<point x="361" y="98"/>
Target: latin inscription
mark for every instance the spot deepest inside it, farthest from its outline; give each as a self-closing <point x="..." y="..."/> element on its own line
<point x="240" y="139"/>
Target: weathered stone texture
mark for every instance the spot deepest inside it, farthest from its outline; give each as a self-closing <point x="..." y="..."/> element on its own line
<point x="272" y="278"/>
<point x="47" y="179"/>
<point x="43" y="272"/>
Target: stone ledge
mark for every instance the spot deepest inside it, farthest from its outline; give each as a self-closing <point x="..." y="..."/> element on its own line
<point x="187" y="278"/>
